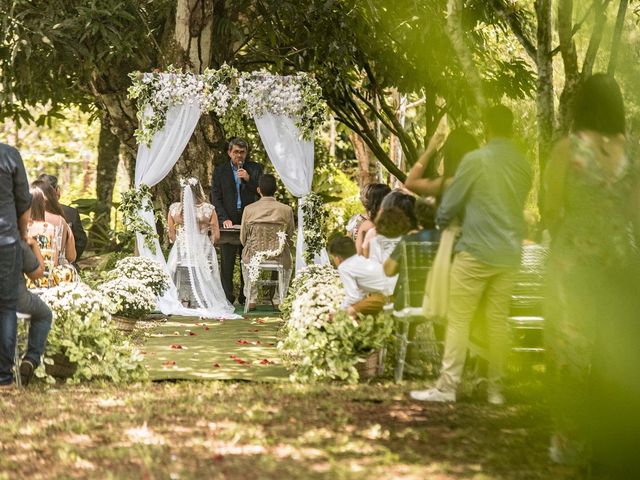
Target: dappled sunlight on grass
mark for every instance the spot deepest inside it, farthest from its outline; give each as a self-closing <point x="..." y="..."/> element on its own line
<point x="264" y="430"/>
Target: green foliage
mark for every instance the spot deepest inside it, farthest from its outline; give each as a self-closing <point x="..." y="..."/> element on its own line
<point x="133" y="202"/>
<point x="314" y="212"/>
<point x="83" y="333"/>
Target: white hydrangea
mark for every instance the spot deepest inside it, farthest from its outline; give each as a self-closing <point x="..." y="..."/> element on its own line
<point x="316" y="305"/>
<point x="129" y="297"/>
<point x="77" y="302"/>
<point x="145" y="270"/>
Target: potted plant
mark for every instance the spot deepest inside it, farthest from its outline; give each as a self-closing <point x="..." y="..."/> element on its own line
<point x="130" y="301"/>
<point x="82" y="344"/>
<point x="145" y="270"/>
<point x="322" y="342"/>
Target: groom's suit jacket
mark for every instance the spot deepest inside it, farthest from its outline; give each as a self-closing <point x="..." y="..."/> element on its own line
<point x="267" y="210"/>
<point x="224" y="195"/>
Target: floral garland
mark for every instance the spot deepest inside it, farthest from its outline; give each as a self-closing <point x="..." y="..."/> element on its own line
<point x="254" y="264"/>
<point x="134" y="201"/>
<point x="230" y="95"/>
<point x="315" y="219"/>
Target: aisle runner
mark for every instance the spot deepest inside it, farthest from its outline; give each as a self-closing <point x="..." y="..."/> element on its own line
<point x="189" y="348"/>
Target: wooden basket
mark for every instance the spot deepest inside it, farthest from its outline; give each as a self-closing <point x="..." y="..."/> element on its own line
<point x="62" y="367"/>
<point x="124" y="324"/>
<point x="369" y="367"/>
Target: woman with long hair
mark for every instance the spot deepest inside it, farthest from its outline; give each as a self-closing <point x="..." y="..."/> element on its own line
<point x="372" y="199"/>
<point x="49" y="227"/>
<point x="193" y="262"/>
<point x="591" y="208"/>
<point x="457" y="145"/>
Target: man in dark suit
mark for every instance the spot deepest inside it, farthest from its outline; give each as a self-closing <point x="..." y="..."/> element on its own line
<point x="233" y="186"/>
<point x="71" y="215"/>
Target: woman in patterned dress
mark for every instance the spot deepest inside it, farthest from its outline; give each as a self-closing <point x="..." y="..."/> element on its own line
<point x="592" y="326"/>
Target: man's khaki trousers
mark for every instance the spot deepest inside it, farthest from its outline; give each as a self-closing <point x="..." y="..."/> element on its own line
<point x="470" y="282"/>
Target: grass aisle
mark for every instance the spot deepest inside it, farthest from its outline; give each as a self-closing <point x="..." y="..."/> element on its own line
<point x="187" y="348"/>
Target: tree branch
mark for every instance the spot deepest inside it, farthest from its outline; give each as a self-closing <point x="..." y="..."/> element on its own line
<point x="600" y="16"/>
<point x="617" y="34"/>
<point x="512" y="20"/>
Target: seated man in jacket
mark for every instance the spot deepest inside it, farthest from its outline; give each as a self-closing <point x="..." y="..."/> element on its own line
<point x="266" y="213"/>
<point x="32" y="304"/>
<point x="366" y="287"/>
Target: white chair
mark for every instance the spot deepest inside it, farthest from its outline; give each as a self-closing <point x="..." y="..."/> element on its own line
<point x="261" y="237"/>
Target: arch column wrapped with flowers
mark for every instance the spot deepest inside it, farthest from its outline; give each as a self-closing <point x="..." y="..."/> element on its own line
<point x="286" y="109"/>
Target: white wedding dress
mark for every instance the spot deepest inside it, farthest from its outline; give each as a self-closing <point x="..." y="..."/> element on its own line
<point x="194" y="251"/>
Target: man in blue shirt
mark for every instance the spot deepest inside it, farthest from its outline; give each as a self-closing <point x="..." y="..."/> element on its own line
<point x="15" y="205"/>
<point x="488" y="192"/>
<point x="234" y="185"/>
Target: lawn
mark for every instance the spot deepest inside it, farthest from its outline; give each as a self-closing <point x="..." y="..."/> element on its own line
<point x="243" y="430"/>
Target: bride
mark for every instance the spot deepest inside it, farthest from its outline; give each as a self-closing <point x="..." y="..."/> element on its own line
<point x="189" y="222"/>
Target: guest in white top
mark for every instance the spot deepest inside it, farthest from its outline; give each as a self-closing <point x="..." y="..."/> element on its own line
<point x="365" y="285"/>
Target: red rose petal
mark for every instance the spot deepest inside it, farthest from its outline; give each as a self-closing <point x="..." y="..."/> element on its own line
<point x="260" y="321"/>
<point x="216" y="365"/>
<point x="191" y="334"/>
<point x="169" y="363"/>
<point x="270" y="344"/>
<point x="242" y="342"/>
<point x="176" y="346"/>
<point x="206" y="327"/>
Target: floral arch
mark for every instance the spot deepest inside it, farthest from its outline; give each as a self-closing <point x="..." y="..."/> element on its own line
<point x="286" y="110"/>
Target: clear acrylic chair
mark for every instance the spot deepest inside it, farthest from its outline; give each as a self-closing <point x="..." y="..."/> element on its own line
<point x="24" y="318"/>
<point x="417" y="259"/>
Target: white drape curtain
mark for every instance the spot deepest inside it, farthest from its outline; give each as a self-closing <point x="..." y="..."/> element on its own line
<point x="152" y="165"/>
<point x="292" y="158"/>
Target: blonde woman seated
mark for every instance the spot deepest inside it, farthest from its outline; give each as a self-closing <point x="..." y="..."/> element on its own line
<point x="49" y="228"/>
<point x="193" y="263"/>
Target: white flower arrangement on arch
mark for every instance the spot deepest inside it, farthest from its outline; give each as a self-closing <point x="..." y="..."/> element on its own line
<point x="253" y="267"/>
<point x="231" y="95"/>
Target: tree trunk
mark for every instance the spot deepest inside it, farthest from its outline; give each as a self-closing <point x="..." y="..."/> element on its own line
<point x="367" y="172"/>
<point x="617" y="34"/>
<point x="107" y="170"/>
<point x="456" y="34"/>
<point x="191" y="47"/>
<point x="544" y="92"/>
<point x="600" y="19"/>
<point x="570" y="61"/>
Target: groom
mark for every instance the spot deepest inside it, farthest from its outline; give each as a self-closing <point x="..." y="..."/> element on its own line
<point x="233" y="186"/>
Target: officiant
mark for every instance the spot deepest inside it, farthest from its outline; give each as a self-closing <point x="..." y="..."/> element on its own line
<point x="233" y="186"/>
